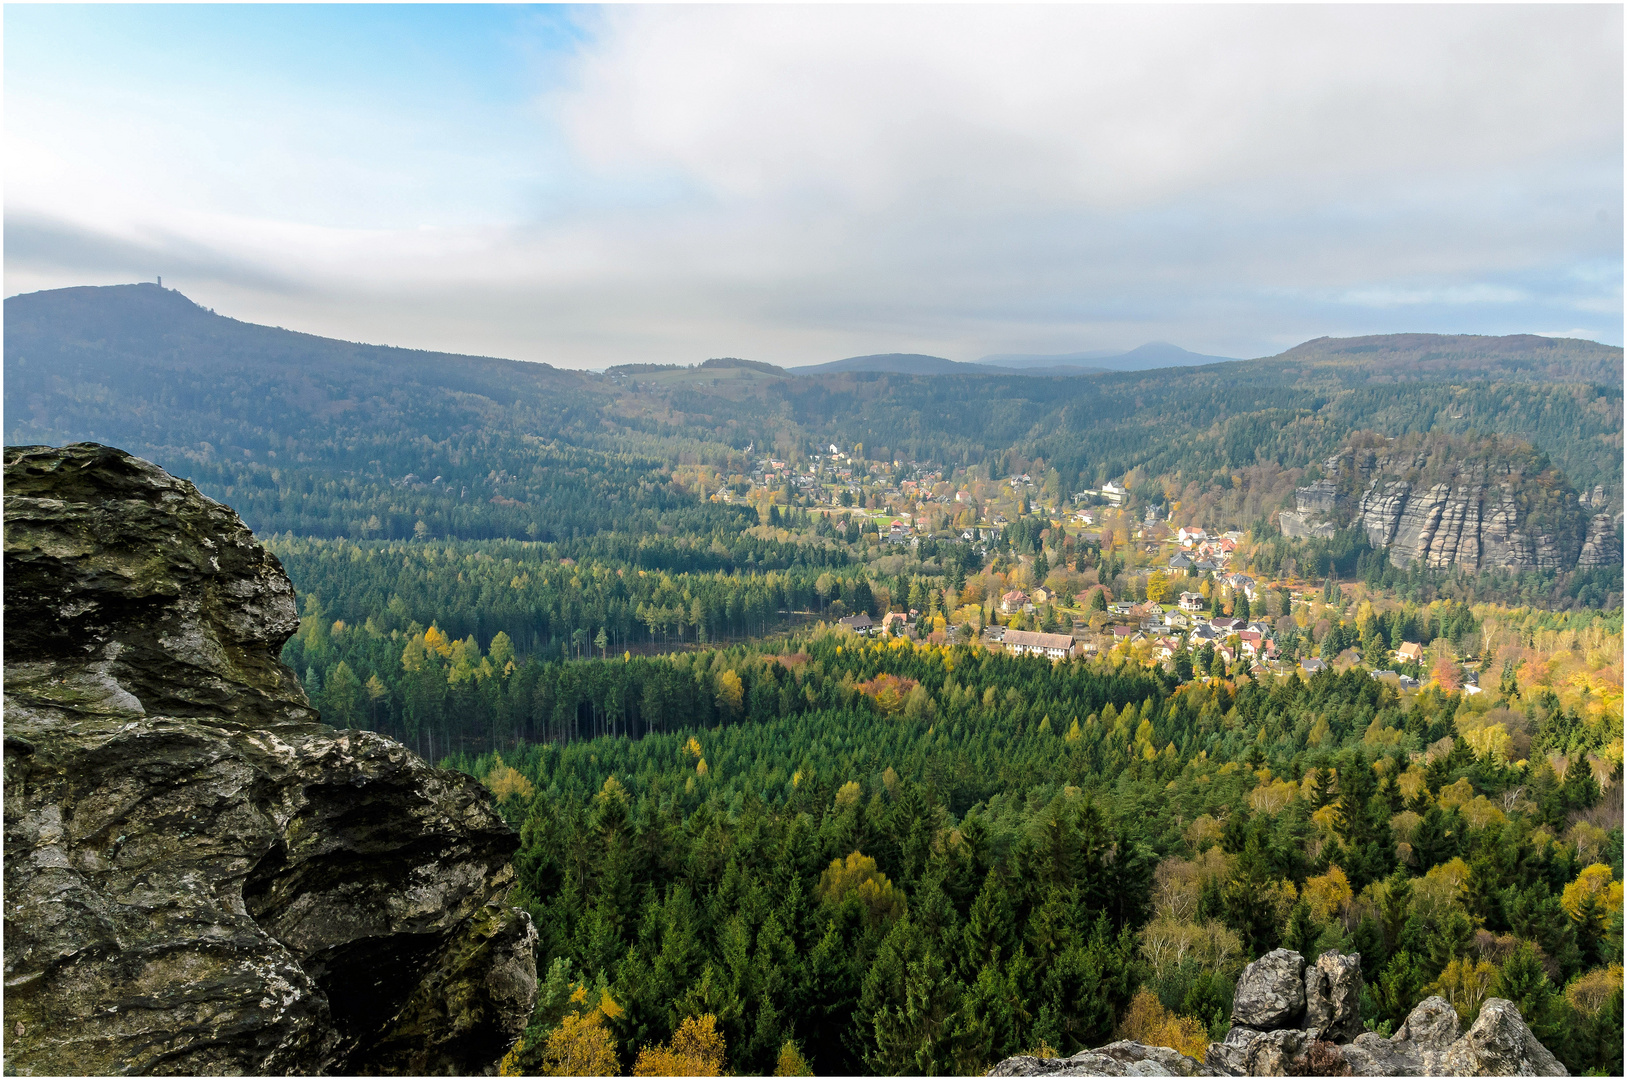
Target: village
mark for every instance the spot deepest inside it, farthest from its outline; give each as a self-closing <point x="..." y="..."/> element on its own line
<point x="1163" y="594"/>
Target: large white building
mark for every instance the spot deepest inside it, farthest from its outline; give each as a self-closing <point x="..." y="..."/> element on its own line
<point x="1055" y="646"/>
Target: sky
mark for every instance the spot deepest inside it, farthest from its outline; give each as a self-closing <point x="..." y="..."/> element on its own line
<point x="597" y="185"/>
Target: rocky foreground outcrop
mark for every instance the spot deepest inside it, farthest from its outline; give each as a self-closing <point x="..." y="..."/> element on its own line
<point x="1294" y="1019"/>
<point x="200" y="878"/>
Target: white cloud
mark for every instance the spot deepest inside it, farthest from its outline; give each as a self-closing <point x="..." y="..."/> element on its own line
<point x="799" y="183"/>
<point x="1094" y="105"/>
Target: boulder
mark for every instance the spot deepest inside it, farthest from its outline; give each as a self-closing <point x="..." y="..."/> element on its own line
<point x="199" y="876"/>
<point x="1278" y="1053"/>
<point x="1123" y="1058"/>
<point x="1325" y="1037"/>
<point x="1428" y="1044"/>
<point x="1333" y="996"/>
<point x="1230" y="1056"/>
<point x="1499" y="1044"/>
<point x="1271" y="992"/>
<point x="1432" y="1025"/>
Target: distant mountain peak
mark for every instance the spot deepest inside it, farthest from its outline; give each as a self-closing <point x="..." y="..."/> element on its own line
<point x="1154" y="354"/>
<point x="897" y="364"/>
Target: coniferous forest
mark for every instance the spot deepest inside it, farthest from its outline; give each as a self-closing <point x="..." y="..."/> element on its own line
<point x="760" y="832"/>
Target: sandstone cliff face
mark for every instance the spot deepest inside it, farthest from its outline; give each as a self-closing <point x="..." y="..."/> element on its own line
<point x="199" y="876"/>
<point x="1470" y="525"/>
<point x="1456" y="503"/>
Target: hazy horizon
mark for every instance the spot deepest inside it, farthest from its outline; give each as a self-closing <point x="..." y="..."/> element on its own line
<point x="593" y="186"/>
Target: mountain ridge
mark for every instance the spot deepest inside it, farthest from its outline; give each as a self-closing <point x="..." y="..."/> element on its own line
<point x="1152" y="355"/>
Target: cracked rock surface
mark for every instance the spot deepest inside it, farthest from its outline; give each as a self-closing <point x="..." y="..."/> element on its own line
<point x="201" y="878"/>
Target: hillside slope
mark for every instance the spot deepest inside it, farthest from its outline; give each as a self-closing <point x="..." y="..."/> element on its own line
<point x="1413" y="357"/>
<point x="329" y="438"/>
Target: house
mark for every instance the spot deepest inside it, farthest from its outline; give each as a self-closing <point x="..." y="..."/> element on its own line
<point x="994" y="633"/>
<point x="1227" y="624"/>
<point x="1311" y="665"/>
<point x="1177" y="619"/>
<point x="1193" y="601"/>
<point x="1041" y="596"/>
<point x="1180" y="561"/>
<point x="1013" y="601"/>
<point x="1190" y="535"/>
<point x="1124" y="633"/>
<point x="1204" y="634"/>
<point x="1115" y="494"/>
<point x="1030" y="642"/>
<point x="1249" y="642"/>
<point x="1121" y="607"/>
<point x="860" y="624"/>
<point x="895" y="623"/>
<point x="1411" y="651"/>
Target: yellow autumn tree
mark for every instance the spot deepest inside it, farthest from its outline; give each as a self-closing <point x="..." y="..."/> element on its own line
<point x="696" y="1049"/>
<point x="580" y="1046"/>
<point x="506" y="782"/>
<point x="436" y="641"/>
<point x="1327" y="894"/>
<point x="414" y="656"/>
<point x="1591" y="992"/>
<point x="858" y="875"/>
<point x="1595" y="881"/>
<point x="1147" y="1021"/>
<point x="731" y="693"/>
<point x="1466" y="984"/>
<point x="791" y="1062"/>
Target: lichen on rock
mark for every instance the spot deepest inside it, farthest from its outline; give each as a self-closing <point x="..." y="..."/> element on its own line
<point x="199" y="876"/>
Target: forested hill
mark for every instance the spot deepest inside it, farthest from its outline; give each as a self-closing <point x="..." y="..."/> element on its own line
<point x="327" y="438"/>
<point x="1415" y="357"/>
<point x="162" y="356"/>
<point x="321" y="437"/>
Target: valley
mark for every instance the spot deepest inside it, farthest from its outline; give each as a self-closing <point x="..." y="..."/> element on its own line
<point x="886" y="717"/>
